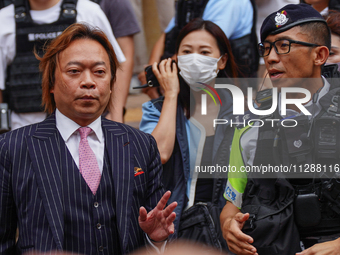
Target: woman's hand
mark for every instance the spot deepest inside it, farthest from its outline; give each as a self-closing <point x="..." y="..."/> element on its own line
<point x="167" y="77"/>
<point x="165" y="131"/>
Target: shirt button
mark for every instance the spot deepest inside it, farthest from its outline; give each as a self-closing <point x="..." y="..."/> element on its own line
<point x="96" y="204"/>
<point x="99" y="226"/>
<point x="101" y="248"/>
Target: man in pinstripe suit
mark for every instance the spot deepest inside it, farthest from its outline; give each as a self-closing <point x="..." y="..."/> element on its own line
<point x="42" y="191"/>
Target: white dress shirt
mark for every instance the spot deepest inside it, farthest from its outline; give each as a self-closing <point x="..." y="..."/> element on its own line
<point x="69" y="132"/>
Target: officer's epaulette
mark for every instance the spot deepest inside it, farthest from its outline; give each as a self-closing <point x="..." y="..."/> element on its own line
<point x="241" y="121"/>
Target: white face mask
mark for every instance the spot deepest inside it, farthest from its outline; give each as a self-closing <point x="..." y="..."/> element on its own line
<point x="196" y="68"/>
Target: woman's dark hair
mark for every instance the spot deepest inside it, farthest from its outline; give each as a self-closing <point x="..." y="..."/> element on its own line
<point x="333" y="22"/>
<point x="223" y="44"/>
<point x="332" y="4"/>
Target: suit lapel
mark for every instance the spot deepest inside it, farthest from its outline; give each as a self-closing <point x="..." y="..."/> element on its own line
<point x="121" y="162"/>
<point x="45" y="155"/>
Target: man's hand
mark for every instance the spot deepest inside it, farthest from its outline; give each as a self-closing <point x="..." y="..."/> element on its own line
<point x="329" y="248"/>
<point x="158" y="223"/>
<point x="238" y="242"/>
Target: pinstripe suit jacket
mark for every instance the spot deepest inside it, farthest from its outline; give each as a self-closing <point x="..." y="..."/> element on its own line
<point x="30" y="185"/>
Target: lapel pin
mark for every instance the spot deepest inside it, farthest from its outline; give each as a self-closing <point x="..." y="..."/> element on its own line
<point x="138" y="171"/>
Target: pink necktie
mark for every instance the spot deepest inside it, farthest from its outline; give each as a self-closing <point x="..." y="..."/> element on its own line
<point x="88" y="165"/>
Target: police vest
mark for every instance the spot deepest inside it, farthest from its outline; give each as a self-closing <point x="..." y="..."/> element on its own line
<point x="23" y="85"/>
<point x="310" y="145"/>
<point x="4" y="3"/>
<point x="244" y="49"/>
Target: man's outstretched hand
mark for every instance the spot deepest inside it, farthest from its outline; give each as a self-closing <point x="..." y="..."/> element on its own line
<point x="238" y="242"/>
<point x="158" y="223"/>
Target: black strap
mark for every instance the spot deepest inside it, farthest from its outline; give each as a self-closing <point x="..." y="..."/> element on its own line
<point x="19" y="3"/>
<point x="21" y="12"/>
<point x="4" y="3"/>
<point x="245" y="50"/>
<point x="188" y="10"/>
<point x="254" y="35"/>
<point x="69" y="9"/>
<point x="264" y="153"/>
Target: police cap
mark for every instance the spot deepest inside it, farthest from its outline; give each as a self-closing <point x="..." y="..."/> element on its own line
<point x="287" y="17"/>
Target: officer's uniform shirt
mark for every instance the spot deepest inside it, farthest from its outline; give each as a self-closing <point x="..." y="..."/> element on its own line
<point x="236" y="186"/>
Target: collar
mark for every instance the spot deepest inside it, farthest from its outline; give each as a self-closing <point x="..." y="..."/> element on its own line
<point x="68" y="127"/>
<point x="324" y="12"/>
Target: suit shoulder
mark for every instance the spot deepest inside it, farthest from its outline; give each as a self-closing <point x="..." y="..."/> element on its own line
<point x="124" y="128"/>
<point x="14" y="141"/>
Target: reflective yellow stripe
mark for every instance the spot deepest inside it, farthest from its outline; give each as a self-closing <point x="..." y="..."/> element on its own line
<point x="237" y="180"/>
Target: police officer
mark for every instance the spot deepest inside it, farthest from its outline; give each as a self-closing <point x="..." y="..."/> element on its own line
<point x="295" y="44"/>
<point x="29" y="24"/>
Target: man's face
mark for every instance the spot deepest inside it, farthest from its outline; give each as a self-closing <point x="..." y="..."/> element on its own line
<point x="298" y="63"/>
<point x="82" y="83"/>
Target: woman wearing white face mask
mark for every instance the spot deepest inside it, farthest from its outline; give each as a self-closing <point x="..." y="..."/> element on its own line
<point x="175" y="120"/>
